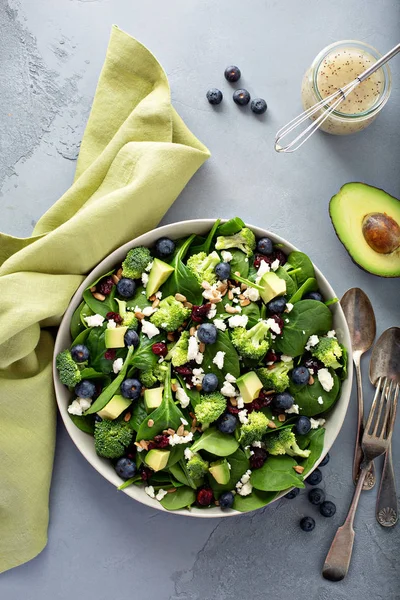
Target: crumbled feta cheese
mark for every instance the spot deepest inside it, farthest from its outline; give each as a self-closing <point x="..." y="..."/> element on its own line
<point x="158" y="295"/>
<point x="145" y="279"/>
<point x="160" y="494"/>
<point x="139" y="449"/>
<point x="312" y="341"/>
<point x="270" y="362"/>
<point x="212" y="312"/>
<point x="304" y="333"/>
<point x="212" y="293"/>
<point x="219" y="359"/>
<point x="175" y="440"/>
<point x="117" y="365"/>
<point x="182" y="397"/>
<point x="198" y="375"/>
<point x="199" y="358"/>
<point x="325" y="379"/>
<point x="246" y="489"/>
<point x="289" y="307"/>
<point x="275" y="265"/>
<point x="320" y="400"/>
<point x="184" y="422"/>
<point x="237" y="309"/>
<point x="226" y="256"/>
<point x="94" y="320"/>
<point x="219" y="324"/>
<point x="111" y="324"/>
<point x="240" y="402"/>
<point x="252" y="294"/>
<point x="78" y="406"/>
<point x="262" y="269"/>
<point x="149" y="329"/>
<point x="193" y="347"/>
<point x="143" y="292"/>
<point x="161" y="359"/>
<point x="294" y="409"/>
<point x="286" y="358"/>
<point x="229" y="465"/>
<point x="235" y="300"/>
<point x="236" y="291"/>
<point x="315" y="423"/>
<point x="273" y="325"/>
<point x="149" y="267"/>
<point x="311" y="371"/>
<point x="137" y="309"/>
<point x="287" y="321"/>
<point x="188" y="454"/>
<point x="257" y="445"/>
<point x="85" y="403"/>
<point x="273" y="336"/>
<point x="243" y="416"/>
<point x="148" y="311"/>
<point x="331" y="334"/>
<point x="238" y="321"/>
<point x="150" y="491"/>
<point x="230" y="378"/>
<point x="228" y="390"/>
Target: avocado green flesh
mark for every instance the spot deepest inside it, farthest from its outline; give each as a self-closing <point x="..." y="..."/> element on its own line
<point x="157" y="459"/>
<point x="114" y="408"/>
<point x="160" y="271"/>
<point x="114" y="338"/>
<point x="220" y="471"/>
<point x="249" y="386"/>
<point x="153" y="398"/>
<point x="348" y="209"/>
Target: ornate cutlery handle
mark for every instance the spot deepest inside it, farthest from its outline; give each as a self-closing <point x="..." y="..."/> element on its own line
<point x="386" y="504"/>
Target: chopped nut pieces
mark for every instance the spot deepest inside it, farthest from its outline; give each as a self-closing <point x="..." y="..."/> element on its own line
<point x="115" y="279"/>
<point x="311" y="380"/>
<point x="174" y="387"/>
<point x="180" y="297"/>
<point x="245" y="302"/>
<point x="192" y="330"/>
<point x="156" y="302"/>
<point x="98" y="296"/>
<point x="180" y="430"/>
<point x="170" y="336"/>
<point x="170" y="431"/>
<point x="202" y="347"/>
<point x="233" y="401"/>
<point x="127" y="417"/>
<point x="93" y="288"/>
<point x="150" y="423"/>
<point x="205" y="285"/>
<point x="298" y="469"/>
<point x="271" y="425"/>
<point x="282" y="418"/>
<point x="232" y="310"/>
<point x="230" y="295"/>
<point x="188" y="305"/>
<point x="171" y="490"/>
<point x="119" y="273"/>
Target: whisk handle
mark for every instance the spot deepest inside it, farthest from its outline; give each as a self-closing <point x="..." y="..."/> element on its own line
<point x="384" y="59"/>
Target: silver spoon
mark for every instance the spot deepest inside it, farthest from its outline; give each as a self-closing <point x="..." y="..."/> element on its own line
<point x="361" y="321"/>
<point x="385" y="361"/>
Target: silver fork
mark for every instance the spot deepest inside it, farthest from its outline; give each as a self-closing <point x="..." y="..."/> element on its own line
<point x="376" y="440"/>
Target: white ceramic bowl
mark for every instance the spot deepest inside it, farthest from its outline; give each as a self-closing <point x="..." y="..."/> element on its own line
<point x="84" y="442"/>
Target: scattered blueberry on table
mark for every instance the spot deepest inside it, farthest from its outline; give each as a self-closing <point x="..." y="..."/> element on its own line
<point x="292" y="494"/>
<point x="316" y="496"/>
<point x="325" y="460"/>
<point x="241" y="97"/>
<point x="258" y="106"/>
<point x="315" y="477"/>
<point x="214" y="96"/>
<point x="327" y="508"/>
<point x="232" y="74"/>
<point x="307" y="524"/>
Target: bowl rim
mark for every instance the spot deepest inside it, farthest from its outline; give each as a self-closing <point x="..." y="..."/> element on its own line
<point x="103" y="466"/>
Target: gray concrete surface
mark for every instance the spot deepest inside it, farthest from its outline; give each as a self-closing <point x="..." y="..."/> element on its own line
<point x="103" y="545"/>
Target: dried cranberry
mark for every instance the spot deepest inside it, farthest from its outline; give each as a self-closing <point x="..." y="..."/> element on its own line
<point x="258" y="458"/>
<point x="160" y="349"/>
<point x="99" y="389"/>
<point x="105" y="286"/>
<point x="161" y="441"/>
<point x="205" y="497"/>
<point x="110" y="354"/>
<point x="259" y="258"/>
<point x="281" y="256"/>
<point x="279" y="321"/>
<point x="145" y="473"/>
<point x="113" y="316"/>
<point x="314" y="364"/>
<point x="186" y="373"/>
<point x="261" y="402"/>
<point x="199" y="313"/>
<point x="233" y="409"/>
<point x="271" y="356"/>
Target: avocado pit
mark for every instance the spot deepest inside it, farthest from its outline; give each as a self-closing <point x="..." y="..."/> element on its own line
<point x="381" y="232"/>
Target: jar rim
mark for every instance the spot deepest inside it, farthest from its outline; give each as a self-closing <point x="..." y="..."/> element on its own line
<point x="384" y="96"/>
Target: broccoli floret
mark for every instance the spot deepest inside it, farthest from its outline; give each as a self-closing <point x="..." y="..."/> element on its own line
<point x="111" y="438"/>
<point x="210" y="408"/>
<point x="136" y="262"/>
<point x="328" y="351"/>
<point x="251" y="343"/>
<point x="197" y="467"/>
<point x="170" y="314"/>
<point x="179" y="353"/>
<point x="67" y="368"/>
<point x="254" y="429"/>
<point x="128" y="318"/>
<point x="152" y="376"/>
<point x="245" y="241"/>
<point x="284" y="442"/>
<point x="276" y="376"/>
<point x="203" y="266"/>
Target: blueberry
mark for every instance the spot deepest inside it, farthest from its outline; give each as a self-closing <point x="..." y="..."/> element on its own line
<point x="277" y="305"/>
<point x="214" y="96"/>
<point x="325" y="460"/>
<point x="125" y="468"/>
<point x="223" y="270"/>
<point x="315" y="477"/>
<point x="164" y="247"/>
<point x="97" y="418"/>
<point x="292" y="494"/>
<point x="85" y="389"/>
<point x="131" y="338"/>
<point x="283" y="401"/>
<point x="226" y="500"/>
<point x="302" y="426"/>
<point x="307" y="524"/>
<point x="209" y="383"/>
<point x="232" y="73"/>
<point x="313" y="296"/>
<point x="316" y="496"/>
<point x="300" y="375"/>
<point x="131" y="388"/>
<point x="241" y="97"/>
<point x="126" y="287"/>
<point x="327" y="508"/>
<point x="258" y="106"/>
<point x="227" y="423"/>
<point x="265" y="246"/>
<point x="207" y="333"/>
<point x="80" y="353"/>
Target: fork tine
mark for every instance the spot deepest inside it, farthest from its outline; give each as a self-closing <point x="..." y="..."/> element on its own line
<point x="373" y="407"/>
<point x="388" y="408"/>
<point x="383" y="403"/>
<point x="393" y="411"/>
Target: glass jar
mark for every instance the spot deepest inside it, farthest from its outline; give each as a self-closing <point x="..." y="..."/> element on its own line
<point x="335" y="66"/>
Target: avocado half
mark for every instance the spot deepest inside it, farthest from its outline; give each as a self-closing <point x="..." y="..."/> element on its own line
<point x="367" y="222"/>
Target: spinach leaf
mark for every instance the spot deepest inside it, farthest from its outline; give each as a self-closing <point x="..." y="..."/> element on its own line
<point x="256" y="499"/>
<point x="98" y="306"/>
<point x="239" y="465"/>
<point x="310" y="285"/>
<point x="206" y="244"/>
<point x="86" y="311"/>
<point x="291" y="286"/>
<point x="239" y="262"/>
<point x="89" y="373"/>
<point x="193" y="393"/>
<point x="128" y="482"/>
<point x="76" y="326"/>
<point x="252" y="271"/>
<point x="111" y="389"/>
<point x="182" y="280"/>
<point x="231" y="360"/>
<point x="144" y="358"/>
<point x="83" y="423"/>
<point x="252" y="311"/>
<point x="300" y="260"/>
<point x="180" y="472"/>
<point x="138" y="299"/>
<point x="215" y="442"/>
<point x="276" y="474"/>
<point x="96" y="345"/>
<point x="175" y="455"/>
<point x="315" y="445"/>
<point x="182" y="498"/>
<point x="81" y="337"/>
<point x="139" y="414"/>
<point x="231" y="227"/>
<point x="307" y="396"/>
<point x="306" y="318"/>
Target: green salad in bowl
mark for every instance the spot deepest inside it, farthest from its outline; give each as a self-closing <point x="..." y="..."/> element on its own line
<point x="205" y="366"/>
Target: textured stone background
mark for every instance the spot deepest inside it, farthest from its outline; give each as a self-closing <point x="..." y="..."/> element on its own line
<point x="101" y="544"/>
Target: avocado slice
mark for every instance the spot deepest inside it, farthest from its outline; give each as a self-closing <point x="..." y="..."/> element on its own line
<point x="367" y="222"/>
<point x="220" y="471"/>
<point x="157" y="459"/>
<point x="114" y="408"/>
<point x="114" y="338"/>
<point x="249" y="386"/>
<point x="272" y="286"/>
<point x="153" y="398"/>
<point x="160" y="271"/>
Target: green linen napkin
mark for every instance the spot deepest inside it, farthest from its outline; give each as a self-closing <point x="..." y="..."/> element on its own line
<point x="136" y="157"/>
